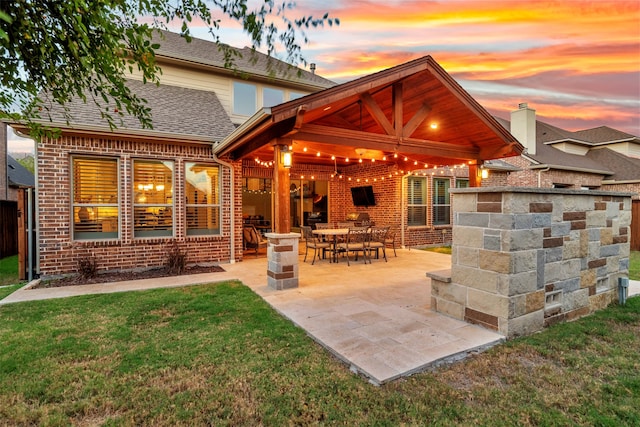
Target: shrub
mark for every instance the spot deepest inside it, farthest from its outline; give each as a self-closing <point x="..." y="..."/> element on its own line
<point x="176" y="260"/>
<point x="87" y="267"/>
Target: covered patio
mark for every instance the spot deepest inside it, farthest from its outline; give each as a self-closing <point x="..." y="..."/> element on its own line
<point x="377" y="131"/>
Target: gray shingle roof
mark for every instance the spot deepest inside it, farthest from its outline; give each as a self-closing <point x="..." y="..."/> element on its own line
<point x="604" y="134"/>
<point x="174" y="110"/>
<point x="624" y="168"/>
<point x="18" y="175"/>
<point x="205" y="52"/>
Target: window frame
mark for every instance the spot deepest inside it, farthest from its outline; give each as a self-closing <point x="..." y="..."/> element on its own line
<point x="424" y="206"/>
<point x="235" y="107"/>
<point x="94" y="207"/>
<point x="437" y="206"/>
<point x="218" y="205"/>
<point x="152" y="234"/>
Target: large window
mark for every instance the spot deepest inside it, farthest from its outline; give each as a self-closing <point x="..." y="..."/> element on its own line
<point x="417" y="201"/>
<point x="153" y="198"/>
<point x="202" y="193"/>
<point x="271" y="97"/>
<point x="441" y="202"/>
<point x="95" y="198"/>
<point x="244" y="99"/>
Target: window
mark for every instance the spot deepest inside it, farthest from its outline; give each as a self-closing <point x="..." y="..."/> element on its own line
<point x="153" y="198"/>
<point x="95" y="198"/>
<point x="202" y="183"/>
<point x="271" y="97"/>
<point x="462" y="183"/>
<point x="441" y="204"/>
<point x="244" y="98"/>
<point x="417" y="201"/>
<point x="295" y="95"/>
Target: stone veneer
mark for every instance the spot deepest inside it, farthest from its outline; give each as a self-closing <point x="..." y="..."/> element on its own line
<point x="282" y="257"/>
<point x="525" y="258"/>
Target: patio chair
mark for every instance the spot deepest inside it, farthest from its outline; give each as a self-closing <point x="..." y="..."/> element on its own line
<point x="312" y="241"/>
<point x="377" y="241"/>
<point x="252" y="238"/>
<point x="357" y="241"/>
<point x="390" y="239"/>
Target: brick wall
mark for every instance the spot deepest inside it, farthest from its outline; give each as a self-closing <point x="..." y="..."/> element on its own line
<point x="523" y="259"/>
<point x="59" y="253"/>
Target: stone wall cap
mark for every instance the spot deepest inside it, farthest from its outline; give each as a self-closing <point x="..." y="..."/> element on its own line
<point x="283" y="235"/>
<point x="440" y="275"/>
<point x="471" y="190"/>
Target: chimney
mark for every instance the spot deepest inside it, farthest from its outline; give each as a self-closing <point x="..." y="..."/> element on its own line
<point x="523" y="126"/>
<point x="312" y="67"/>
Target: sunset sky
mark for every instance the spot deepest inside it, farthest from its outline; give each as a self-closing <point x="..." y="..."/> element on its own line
<point x="577" y="63"/>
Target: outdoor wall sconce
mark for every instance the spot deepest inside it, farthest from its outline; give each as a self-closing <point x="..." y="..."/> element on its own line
<point x="287" y="156"/>
<point x="484" y="173"/>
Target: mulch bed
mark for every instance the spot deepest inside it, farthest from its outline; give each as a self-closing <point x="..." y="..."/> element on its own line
<point x="122" y="276"/>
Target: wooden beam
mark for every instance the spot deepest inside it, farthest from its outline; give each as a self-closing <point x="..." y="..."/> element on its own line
<point x="474" y="178"/>
<point x="398" y="113"/>
<point x="416" y="120"/>
<point x="376" y="112"/>
<point x="389" y="143"/>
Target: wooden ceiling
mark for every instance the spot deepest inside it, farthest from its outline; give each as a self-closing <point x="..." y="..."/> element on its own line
<point x="414" y="111"/>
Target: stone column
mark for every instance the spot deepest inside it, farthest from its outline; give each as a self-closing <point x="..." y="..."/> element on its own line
<point x="282" y="256"/>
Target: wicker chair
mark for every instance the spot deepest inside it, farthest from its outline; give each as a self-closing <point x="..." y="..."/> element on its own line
<point x="312" y="241"/>
<point x="252" y="238"/>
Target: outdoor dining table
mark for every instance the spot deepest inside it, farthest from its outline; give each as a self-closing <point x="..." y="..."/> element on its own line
<point x="335" y="232"/>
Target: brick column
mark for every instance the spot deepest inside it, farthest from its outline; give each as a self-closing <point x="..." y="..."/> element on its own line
<point x="282" y="256"/>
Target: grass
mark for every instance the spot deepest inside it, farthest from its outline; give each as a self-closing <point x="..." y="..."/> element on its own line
<point x="9" y="270"/>
<point x="217" y="354"/>
<point x="634" y="265"/>
<point x="438" y="249"/>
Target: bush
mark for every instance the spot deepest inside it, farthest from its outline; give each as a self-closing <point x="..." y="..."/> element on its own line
<point x="176" y="260"/>
<point x="87" y="267"/>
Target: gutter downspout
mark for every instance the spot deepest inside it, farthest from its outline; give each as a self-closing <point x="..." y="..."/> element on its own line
<point x="403" y="206"/>
<point x="539" y="176"/>
<point x="232" y="222"/>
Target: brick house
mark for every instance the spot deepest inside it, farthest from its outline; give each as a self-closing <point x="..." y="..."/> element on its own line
<point x="125" y="196"/>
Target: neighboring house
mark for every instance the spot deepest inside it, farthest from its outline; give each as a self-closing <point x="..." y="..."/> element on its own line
<point x="14" y="178"/>
<point x="601" y="158"/>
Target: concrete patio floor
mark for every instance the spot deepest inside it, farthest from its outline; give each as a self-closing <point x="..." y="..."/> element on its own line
<point x="376" y="318"/>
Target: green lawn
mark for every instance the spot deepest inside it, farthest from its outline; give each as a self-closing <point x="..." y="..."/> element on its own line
<point x="634" y="265"/>
<point x="219" y="355"/>
<point x="9" y="281"/>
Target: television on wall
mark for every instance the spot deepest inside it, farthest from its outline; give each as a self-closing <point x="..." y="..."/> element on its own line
<point x="363" y="196"/>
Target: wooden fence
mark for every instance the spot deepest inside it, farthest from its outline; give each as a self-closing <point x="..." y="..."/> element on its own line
<point x="8" y="228"/>
<point x="635" y="225"/>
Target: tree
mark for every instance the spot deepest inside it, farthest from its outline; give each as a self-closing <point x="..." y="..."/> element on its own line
<point x="86" y="48"/>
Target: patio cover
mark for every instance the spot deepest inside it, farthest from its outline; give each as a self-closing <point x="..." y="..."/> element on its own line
<point x="414" y="110"/>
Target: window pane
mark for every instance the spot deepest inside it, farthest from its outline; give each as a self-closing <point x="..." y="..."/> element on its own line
<point x="295" y="95"/>
<point x="244" y="99"/>
<point x="202" y="192"/>
<point x="153" y="198"/>
<point x="95" y="198"/>
<point x="271" y="97"/>
<point x="203" y="220"/>
<point x="417" y="215"/>
<point x="441" y="206"/>
<point x="417" y="201"/>
<point x="462" y="183"/>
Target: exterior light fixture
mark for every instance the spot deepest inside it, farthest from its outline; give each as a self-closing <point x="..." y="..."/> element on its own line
<point x="287" y="157"/>
<point x="484" y="173"/>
